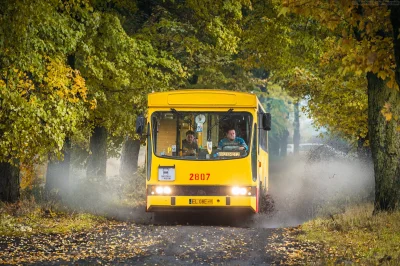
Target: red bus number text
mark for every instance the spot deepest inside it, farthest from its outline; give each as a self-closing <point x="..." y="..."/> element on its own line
<point x="198" y="176"/>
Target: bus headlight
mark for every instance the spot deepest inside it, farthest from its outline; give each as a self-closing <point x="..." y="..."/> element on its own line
<point x="241" y="191"/>
<point x="163" y="190"/>
<point x="167" y="190"/>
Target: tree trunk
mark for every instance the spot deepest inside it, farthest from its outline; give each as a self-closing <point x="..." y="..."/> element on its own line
<point x="273" y="146"/>
<point x="385" y="143"/>
<point x="363" y="152"/>
<point x="57" y="175"/>
<point x="193" y="79"/>
<point x="9" y="182"/>
<point x="395" y="20"/>
<point x="97" y="163"/>
<point x="283" y="143"/>
<point x="129" y="157"/>
<point x="296" y="129"/>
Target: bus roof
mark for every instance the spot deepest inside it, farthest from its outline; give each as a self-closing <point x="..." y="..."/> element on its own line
<point x="202" y="98"/>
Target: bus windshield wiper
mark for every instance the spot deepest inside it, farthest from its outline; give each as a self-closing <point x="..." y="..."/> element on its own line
<point x="225" y="115"/>
<point x="174" y="111"/>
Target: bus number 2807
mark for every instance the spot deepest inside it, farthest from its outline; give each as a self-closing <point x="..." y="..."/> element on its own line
<point x="197" y="176"/>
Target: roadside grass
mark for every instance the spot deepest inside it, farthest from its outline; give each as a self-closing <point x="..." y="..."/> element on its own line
<point x="134" y="191"/>
<point x="27" y="217"/>
<point x="84" y="206"/>
<point x="355" y="236"/>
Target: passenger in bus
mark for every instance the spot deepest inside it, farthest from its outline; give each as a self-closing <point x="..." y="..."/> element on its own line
<point x="231" y="142"/>
<point x="189" y="145"/>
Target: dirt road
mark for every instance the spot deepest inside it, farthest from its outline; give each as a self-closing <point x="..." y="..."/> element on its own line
<point x="202" y="239"/>
<point x="128" y="243"/>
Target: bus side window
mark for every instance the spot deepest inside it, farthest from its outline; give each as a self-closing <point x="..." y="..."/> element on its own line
<point x="254" y="154"/>
<point x="262" y="134"/>
<point x="149" y="152"/>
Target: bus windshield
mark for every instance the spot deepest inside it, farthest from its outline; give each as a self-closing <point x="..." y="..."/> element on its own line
<point x="201" y="135"/>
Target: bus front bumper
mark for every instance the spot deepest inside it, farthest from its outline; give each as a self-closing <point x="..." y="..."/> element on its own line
<point x="160" y="203"/>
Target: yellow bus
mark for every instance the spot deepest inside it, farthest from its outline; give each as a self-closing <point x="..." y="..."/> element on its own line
<point x="216" y="175"/>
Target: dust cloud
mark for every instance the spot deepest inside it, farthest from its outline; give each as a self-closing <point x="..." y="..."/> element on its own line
<point x="303" y="189"/>
<point x="113" y="197"/>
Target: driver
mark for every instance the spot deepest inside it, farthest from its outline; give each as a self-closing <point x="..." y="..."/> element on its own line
<point x="189" y="145"/>
<point x="232" y="141"/>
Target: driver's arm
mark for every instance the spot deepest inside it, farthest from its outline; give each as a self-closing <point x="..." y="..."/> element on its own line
<point x="221" y="144"/>
<point x="184" y="150"/>
<point x="243" y="145"/>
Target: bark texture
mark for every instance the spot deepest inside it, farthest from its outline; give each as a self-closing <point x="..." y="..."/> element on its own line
<point x="395" y="20"/>
<point x="9" y="182"/>
<point x="97" y="163"/>
<point x="385" y="143"/>
<point x="129" y="157"/>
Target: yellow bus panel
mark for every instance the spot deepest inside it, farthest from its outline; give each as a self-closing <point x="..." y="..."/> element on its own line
<point x="197" y="98"/>
<point x="210" y="169"/>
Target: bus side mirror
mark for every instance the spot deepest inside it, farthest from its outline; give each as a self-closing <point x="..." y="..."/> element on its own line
<point x="266" y="121"/>
<point x="140" y="124"/>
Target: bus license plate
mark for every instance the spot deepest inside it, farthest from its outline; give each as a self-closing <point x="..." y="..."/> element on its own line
<point x="200" y="201"/>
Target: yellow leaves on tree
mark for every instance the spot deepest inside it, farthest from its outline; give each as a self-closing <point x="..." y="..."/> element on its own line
<point x="20" y="81"/>
<point x="340" y="107"/>
<point x="31" y="174"/>
<point x="38" y="111"/>
<point x="27" y="176"/>
<point x="362" y="41"/>
<point x="302" y="78"/>
<point x="386" y="112"/>
<point x="60" y="80"/>
<point x="66" y="82"/>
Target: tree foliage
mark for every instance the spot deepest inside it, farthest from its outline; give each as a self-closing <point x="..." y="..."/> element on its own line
<point x="42" y="98"/>
<point x="203" y="36"/>
<point x="362" y="45"/>
<point x="120" y="71"/>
